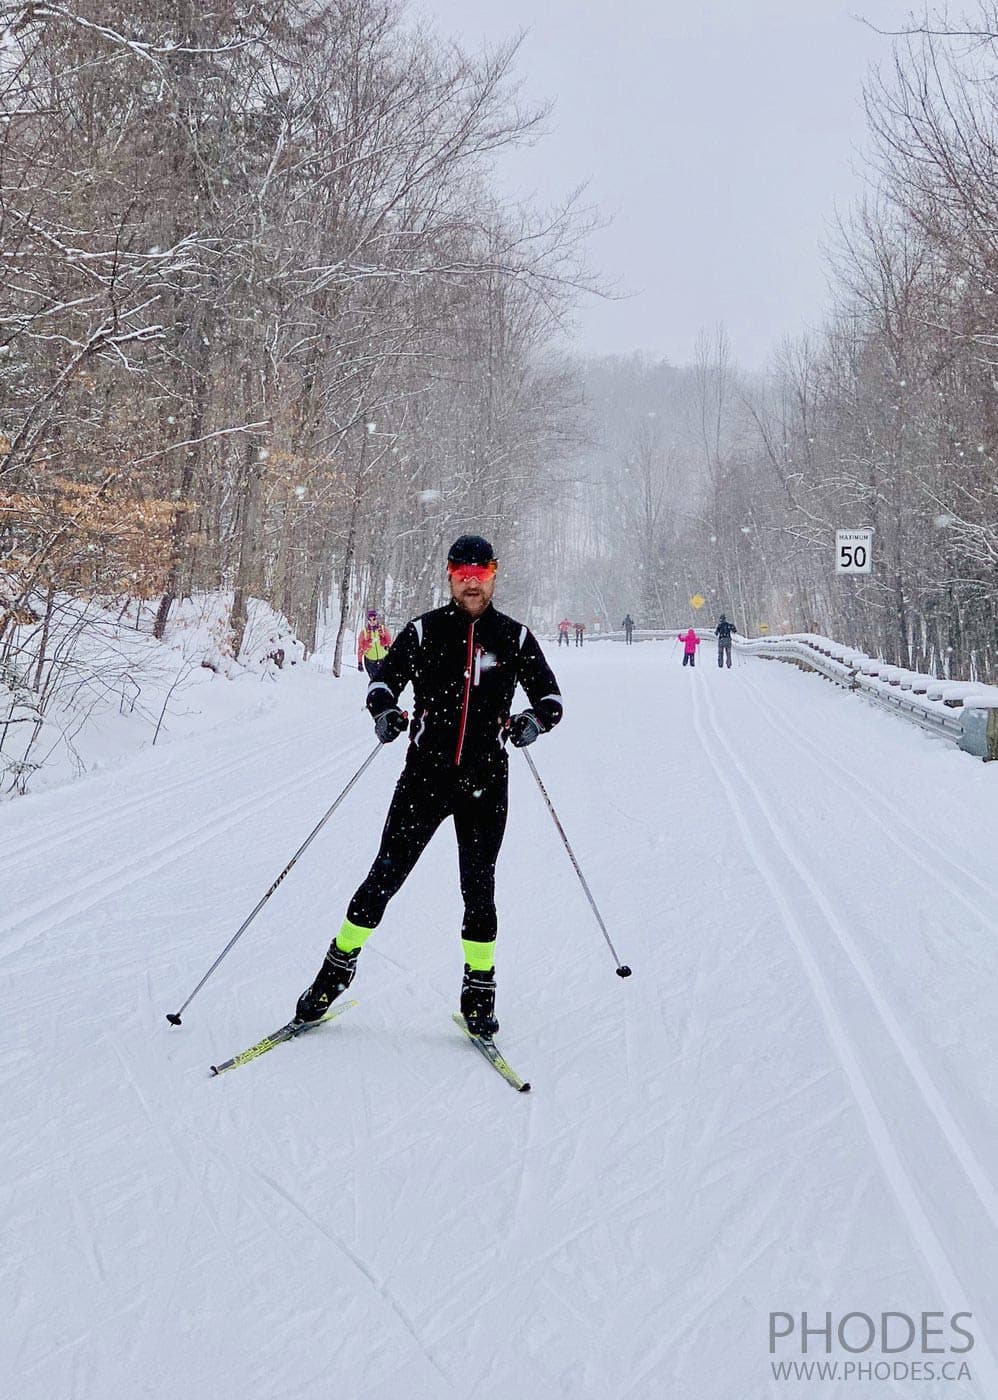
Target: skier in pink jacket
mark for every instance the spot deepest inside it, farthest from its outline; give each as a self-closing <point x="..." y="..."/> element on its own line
<point x="690" y="642"/>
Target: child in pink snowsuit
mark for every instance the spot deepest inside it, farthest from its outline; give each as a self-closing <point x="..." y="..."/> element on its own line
<point x="690" y="642"/>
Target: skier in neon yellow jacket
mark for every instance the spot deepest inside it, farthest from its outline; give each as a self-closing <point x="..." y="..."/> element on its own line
<point x="373" y="642"/>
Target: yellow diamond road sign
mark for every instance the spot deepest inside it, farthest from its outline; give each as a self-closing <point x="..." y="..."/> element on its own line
<point x="697" y="601"/>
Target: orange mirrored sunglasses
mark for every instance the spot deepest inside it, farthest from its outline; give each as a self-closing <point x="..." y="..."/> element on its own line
<point x="464" y="572"/>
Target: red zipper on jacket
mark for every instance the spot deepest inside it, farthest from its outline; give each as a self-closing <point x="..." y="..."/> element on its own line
<point x="468" y="669"/>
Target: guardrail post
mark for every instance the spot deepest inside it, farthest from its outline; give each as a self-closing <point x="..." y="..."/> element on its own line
<point x="979" y="732"/>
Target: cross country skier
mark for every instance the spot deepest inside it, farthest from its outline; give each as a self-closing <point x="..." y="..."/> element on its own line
<point x="464" y="661"/>
<point x="723" y="632"/>
<point x="628" y="626"/>
<point x="373" y="642"/>
<point x="690" y="642"/>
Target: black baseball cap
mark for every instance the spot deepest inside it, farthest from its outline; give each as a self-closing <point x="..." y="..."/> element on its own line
<point x="470" y="549"/>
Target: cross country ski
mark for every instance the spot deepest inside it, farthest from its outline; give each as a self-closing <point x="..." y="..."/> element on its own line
<point x="487" y="1046"/>
<point x="291" y="1031"/>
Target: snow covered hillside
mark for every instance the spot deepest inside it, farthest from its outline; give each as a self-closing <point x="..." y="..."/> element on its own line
<point x="790" y="1106"/>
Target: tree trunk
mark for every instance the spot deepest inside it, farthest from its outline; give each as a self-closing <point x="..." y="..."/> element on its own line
<point x="247" y="575"/>
<point x="181" y="518"/>
<point x="348" y="556"/>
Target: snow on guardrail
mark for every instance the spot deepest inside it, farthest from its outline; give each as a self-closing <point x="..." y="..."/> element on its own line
<point x="964" y="711"/>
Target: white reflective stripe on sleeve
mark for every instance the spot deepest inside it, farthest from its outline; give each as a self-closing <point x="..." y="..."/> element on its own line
<point x="556" y="698"/>
<point x="418" y="624"/>
<point x="523" y="638"/>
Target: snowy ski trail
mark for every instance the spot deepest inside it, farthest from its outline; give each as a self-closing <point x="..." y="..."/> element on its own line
<point x="32" y="919"/>
<point x="206" y="774"/>
<point x="916" y="1205"/>
<point x="889" y="819"/>
<point x="789" y="1106"/>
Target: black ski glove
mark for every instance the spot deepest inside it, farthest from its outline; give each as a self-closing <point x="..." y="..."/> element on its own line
<point x="360" y="665"/>
<point x="390" y="724"/>
<point x="523" y="729"/>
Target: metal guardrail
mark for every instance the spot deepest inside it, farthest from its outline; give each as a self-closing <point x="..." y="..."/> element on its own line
<point x="961" y="711"/>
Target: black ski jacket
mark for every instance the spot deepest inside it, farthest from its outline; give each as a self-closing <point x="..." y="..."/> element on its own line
<point x="464" y="673"/>
<point x="724" y="630"/>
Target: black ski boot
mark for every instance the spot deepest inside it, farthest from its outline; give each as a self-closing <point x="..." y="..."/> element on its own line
<point x="335" y="975"/>
<point x="478" y="1002"/>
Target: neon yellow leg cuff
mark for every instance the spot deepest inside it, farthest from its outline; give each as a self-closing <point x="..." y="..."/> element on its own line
<point x="352" y="936"/>
<point x="480" y="957"/>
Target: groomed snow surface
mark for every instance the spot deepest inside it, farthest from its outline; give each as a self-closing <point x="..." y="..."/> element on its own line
<point x="789" y="1107"/>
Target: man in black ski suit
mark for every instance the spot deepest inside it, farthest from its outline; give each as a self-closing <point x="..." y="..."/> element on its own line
<point x="464" y="662"/>
<point x="723" y="632"/>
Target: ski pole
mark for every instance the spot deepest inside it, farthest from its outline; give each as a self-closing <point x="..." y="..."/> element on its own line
<point x="622" y="969"/>
<point x="174" y="1017"/>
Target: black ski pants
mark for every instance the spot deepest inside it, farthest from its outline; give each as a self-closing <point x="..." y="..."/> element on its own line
<point x="724" y="651"/>
<point x="426" y="793"/>
<point x="689" y="658"/>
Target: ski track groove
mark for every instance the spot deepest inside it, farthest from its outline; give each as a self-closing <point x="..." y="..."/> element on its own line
<point x="520" y="1202"/>
<point x="155" y="858"/>
<point x="171" y="1138"/>
<point x="850" y="783"/>
<point x="922" y="1230"/>
<point x="167" y="1277"/>
<point x="948" y="1127"/>
<point x="544" y="1186"/>
<point x="229" y="1168"/>
<point x="528" y="1268"/>
<point x="376" y="1284"/>
<point x="208" y="774"/>
<point x="157" y="1305"/>
<point x="679" y="1335"/>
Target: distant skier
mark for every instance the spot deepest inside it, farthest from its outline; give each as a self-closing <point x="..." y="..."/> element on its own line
<point x="464" y="662"/>
<point x="564" y="626"/>
<point x="690" y="642"/>
<point x="723" y="632"/>
<point x="580" y="627"/>
<point x="373" y="642"/>
<point x="628" y="626"/>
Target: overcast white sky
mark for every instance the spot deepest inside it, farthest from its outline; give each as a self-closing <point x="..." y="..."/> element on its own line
<point x="720" y="135"/>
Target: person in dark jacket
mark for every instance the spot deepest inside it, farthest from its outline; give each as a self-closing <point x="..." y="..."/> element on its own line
<point x="464" y="662"/>
<point x="628" y="626"/>
<point x="723" y="632"/>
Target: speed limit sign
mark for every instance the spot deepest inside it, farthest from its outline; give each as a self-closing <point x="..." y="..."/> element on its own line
<point x="853" y="551"/>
